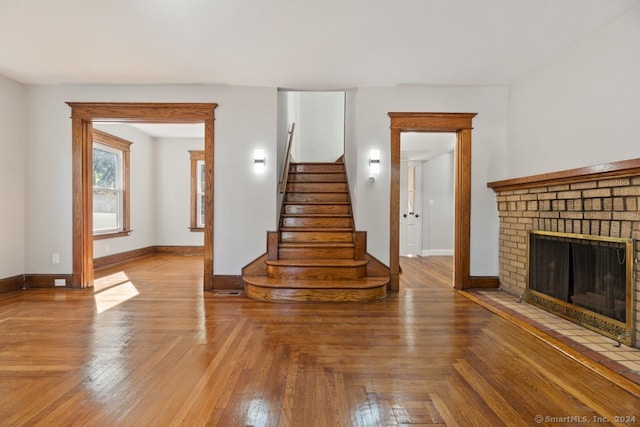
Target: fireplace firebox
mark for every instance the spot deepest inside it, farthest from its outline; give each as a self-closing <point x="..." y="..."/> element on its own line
<point x="586" y="279"/>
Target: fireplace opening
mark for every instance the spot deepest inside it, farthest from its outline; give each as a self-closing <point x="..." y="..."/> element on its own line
<point x="586" y="279"/>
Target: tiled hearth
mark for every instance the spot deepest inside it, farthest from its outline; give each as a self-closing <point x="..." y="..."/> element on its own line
<point x="594" y="348"/>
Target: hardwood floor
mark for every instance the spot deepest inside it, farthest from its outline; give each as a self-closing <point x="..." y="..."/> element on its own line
<point x="149" y="348"/>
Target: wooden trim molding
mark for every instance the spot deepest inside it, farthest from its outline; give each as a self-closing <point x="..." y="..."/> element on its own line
<point x="257" y="267"/>
<point x="112" y="235"/>
<point x="124" y="146"/>
<point x="144" y="112"/>
<point x="484" y="282"/>
<point x="83" y="114"/>
<point x="195" y="156"/>
<point x="621" y="169"/>
<point x="122" y="257"/>
<point x="32" y="281"/>
<point x="461" y="124"/>
<point x="180" y="250"/>
<point x="14" y="283"/>
<point x="228" y="282"/>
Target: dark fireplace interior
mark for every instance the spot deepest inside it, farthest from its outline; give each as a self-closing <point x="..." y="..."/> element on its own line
<point x="591" y="274"/>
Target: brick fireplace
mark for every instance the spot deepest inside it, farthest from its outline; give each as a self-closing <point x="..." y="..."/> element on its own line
<point x="602" y="200"/>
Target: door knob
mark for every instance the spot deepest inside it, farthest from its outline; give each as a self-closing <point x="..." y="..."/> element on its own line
<point x="404" y="215"/>
<point x="417" y="215"/>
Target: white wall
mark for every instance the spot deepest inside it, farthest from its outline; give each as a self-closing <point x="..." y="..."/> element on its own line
<point x="489" y="139"/>
<point x="244" y="202"/>
<point x="284" y="121"/>
<point x="320" y="127"/>
<point x="143" y="193"/>
<point x="12" y="177"/>
<point x="581" y="108"/>
<point x="173" y="192"/>
<point x="438" y="185"/>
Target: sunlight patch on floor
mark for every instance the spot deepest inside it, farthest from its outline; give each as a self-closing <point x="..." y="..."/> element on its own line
<point x="112" y="290"/>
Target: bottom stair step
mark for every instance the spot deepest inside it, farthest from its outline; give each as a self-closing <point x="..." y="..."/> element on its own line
<point x="306" y="290"/>
<point x="363" y="283"/>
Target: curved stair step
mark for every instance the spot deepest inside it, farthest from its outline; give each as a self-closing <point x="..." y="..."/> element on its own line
<point x="317" y="262"/>
<point x="321" y="269"/>
<point x="280" y="290"/>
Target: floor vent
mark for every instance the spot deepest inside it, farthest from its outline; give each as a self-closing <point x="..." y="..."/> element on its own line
<point x="228" y="293"/>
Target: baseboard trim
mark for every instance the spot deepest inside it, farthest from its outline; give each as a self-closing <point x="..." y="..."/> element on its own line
<point x="122" y="257"/>
<point x="221" y="281"/>
<point x="484" y="282"/>
<point x="14" y="283"/>
<point x="38" y="281"/>
<point x="437" y="252"/>
<point x="180" y="250"/>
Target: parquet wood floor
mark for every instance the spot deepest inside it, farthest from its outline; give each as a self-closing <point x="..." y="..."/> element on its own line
<point x="147" y="347"/>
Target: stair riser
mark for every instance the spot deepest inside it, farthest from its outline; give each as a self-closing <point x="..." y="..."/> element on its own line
<point x="317" y="197"/>
<point x="317" y="177"/>
<point x="317" y="168"/>
<point x="321" y="273"/>
<point x="317" y="187"/>
<point x="316" y="253"/>
<point x="316" y="236"/>
<point x="317" y="209"/>
<point x="316" y="222"/>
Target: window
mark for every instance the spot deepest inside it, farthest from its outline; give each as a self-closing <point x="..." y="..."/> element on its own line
<point x="110" y="185"/>
<point x="197" y="190"/>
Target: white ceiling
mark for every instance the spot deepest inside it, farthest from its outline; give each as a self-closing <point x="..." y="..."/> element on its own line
<point x="298" y="44"/>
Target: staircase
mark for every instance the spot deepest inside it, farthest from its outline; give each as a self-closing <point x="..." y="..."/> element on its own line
<point x="316" y="254"/>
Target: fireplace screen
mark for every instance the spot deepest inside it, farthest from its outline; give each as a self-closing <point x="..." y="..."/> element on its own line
<point x="582" y="272"/>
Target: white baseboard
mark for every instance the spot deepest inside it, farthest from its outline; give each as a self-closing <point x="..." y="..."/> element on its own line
<point x="437" y="252"/>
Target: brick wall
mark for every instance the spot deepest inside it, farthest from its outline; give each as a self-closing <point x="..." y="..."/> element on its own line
<point x="605" y="207"/>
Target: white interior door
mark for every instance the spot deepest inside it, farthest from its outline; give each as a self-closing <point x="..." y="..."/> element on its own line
<point x="410" y="208"/>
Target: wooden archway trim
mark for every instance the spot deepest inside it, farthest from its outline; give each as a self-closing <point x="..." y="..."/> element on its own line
<point x="83" y="114"/>
<point x="460" y="123"/>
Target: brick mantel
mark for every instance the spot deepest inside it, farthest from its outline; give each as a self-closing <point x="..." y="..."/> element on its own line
<point x="601" y="200"/>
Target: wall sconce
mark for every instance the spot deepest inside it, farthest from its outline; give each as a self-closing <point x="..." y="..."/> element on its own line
<point x="374" y="161"/>
<point x="258" y="161"/>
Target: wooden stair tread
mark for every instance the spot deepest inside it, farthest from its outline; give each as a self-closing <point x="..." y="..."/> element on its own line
<point x="287" y="202"/>
<point x="315" y="215"/>
<point x="316" y="244"/>
<point x="328" y="172"/>
<point x="317" y="229"/>
<point x="319" y="181"/>
<point x="328" y="262"/>
<point x="318" y="191"/>
<point x="316" y="163"/>
<point x="362" y="283"/>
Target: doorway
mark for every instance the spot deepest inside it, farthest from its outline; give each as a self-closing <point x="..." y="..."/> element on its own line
<point x="460" y="123"/>
<point x="83" y="115"/>
<point x="427" y="193"/>
<point x="411" y="218"/>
